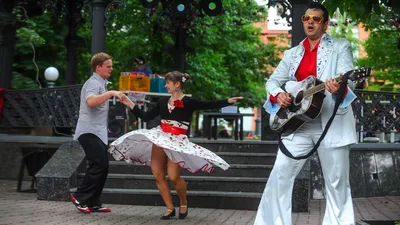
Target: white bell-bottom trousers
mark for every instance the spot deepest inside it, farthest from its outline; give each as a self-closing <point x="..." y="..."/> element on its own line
<point x="276" y="203"/>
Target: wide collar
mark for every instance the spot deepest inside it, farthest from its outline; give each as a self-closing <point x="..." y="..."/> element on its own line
<point x="325" y="49"/>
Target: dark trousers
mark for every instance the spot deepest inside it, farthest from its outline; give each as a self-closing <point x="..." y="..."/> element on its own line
<point x="96" y="170"/>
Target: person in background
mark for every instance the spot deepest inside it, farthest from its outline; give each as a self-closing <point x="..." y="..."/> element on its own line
<point x="142" y="67"/>
<point x="224" y="133"/>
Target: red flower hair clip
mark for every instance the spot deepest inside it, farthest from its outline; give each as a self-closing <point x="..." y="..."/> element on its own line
<point x="178" y="103"/>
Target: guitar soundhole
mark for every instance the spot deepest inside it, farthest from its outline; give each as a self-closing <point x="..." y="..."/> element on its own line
<point x="296" y="102"/>
<point x="298" y="99"/>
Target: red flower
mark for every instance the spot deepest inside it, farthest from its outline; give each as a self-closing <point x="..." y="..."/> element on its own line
<point x="178" y="103"/>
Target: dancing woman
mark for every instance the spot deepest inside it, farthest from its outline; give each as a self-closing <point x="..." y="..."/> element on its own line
<point x="166" y="147"/>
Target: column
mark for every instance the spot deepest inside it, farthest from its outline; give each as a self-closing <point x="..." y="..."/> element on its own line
<point x="72" y="41"/>
<point x="98" y="26"/>
<point x="298" y="9"/>
<point x="7" y="41"/>
<point x="179" y="50"/>
<point x="99" y="22"/>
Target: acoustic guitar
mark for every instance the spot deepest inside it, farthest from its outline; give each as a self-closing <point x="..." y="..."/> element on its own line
<point x="307" y="98"/>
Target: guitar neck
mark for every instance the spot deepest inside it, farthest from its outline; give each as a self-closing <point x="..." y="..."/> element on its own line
<point x="319" y="88"/>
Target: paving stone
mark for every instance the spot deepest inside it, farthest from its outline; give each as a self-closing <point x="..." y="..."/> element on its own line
<point x="24" y="208"/>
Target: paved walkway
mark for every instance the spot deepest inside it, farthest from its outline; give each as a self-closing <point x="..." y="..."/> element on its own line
<point x="23" y="208"/>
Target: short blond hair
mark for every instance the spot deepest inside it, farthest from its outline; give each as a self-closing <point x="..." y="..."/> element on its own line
<point x="98" y="59"/>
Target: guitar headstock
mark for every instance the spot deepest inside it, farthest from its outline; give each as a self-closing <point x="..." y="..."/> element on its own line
<point x="359" y="75"/>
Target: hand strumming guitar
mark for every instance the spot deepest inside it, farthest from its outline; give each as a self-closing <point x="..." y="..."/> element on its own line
<point x="284" y="99"/>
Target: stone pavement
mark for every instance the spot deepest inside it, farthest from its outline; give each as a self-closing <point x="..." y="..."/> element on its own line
<point x="23" y="208"/>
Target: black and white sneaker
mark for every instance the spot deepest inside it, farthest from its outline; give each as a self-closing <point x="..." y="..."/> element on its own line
<point x="99" y="208"/>
<point x="80" y="207"/>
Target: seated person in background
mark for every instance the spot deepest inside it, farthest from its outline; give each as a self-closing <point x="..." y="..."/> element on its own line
<point x="141" y="66"/>
<point x="224" y="133"/>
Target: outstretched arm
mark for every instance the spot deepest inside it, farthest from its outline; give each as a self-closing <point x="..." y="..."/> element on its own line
<point x="198" y="104"/>
<point x="145" y="116"/>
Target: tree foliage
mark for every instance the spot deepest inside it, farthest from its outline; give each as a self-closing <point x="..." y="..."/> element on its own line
<point x="344" y="28"/>
<point x="226" y="56"/>
<point x="382" y="20"/>
<point x="362" y="10"/>
<point x="39" y="44"/>
<point x="382" y="47"/>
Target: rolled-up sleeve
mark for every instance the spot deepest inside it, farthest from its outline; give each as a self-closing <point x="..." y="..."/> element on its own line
<point x="92" y="88"/>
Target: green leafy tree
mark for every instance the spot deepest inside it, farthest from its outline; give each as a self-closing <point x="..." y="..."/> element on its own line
<point x="344" y="28"/>
<point x="226" y="56"/>
<point x="362" y="10"/>
<point x="381" y="47"/>
<point x="39" y="45"/>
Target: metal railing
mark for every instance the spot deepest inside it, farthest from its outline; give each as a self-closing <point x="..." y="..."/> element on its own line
<point x="376" y="113"/>
<point x="48" y="107"/>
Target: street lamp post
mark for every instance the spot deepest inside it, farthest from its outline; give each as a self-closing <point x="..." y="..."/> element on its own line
<point x="51" y="75"/>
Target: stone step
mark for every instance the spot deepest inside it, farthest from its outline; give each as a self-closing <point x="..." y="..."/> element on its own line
<point x="194" y="183"/>
<point x="196" y="199"/>
<point x="245" y="146"/>
<point x="235" y="170"/>
<point x="242" y="158"/>
<point x="230" y="145"/>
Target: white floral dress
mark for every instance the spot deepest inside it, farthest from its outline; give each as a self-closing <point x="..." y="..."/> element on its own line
<point x="136" y="146"/>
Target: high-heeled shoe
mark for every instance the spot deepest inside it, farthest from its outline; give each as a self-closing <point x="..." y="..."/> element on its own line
<point x="171" y="214"/>
<point x="183" y="215"/>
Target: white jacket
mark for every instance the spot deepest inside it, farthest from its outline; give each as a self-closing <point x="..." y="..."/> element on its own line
<point x="334" y="56"/>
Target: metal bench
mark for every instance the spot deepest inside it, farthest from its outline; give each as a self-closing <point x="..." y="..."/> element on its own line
<point x="236" y="117"/>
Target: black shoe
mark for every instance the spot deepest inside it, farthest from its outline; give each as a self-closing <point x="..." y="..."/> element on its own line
<point x="171" y="214"/>
<point x="183" y="215"/>
<point x="79" y="206"/>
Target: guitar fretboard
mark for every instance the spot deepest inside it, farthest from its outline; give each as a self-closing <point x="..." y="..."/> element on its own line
<point x="318" y="88"/>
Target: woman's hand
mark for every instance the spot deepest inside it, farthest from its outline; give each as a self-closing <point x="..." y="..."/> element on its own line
<point x="234" y="99"/>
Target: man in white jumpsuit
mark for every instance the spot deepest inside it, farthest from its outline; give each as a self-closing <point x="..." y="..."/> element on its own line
<point x="324" y="57"/>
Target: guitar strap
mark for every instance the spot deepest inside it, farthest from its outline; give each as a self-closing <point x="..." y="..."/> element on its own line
<point x="339" y="100"/>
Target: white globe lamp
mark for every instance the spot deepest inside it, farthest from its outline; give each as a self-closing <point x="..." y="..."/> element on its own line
<point x="51" y="75"/>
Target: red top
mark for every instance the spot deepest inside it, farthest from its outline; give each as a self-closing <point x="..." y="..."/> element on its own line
<point x="308" y="65"/>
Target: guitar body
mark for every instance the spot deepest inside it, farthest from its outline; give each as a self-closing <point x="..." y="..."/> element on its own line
<point x="307" y="99"/>
<point x="303" y="109"/>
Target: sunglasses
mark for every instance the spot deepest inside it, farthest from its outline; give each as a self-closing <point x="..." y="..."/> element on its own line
<point x="306" y="18"/>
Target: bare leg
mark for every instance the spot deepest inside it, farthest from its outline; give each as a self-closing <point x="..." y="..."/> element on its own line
<point x="158" y="168"/>
<point x="174" y="175"/>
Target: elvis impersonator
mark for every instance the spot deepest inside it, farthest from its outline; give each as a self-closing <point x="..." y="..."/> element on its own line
<point x="324" y="57"/>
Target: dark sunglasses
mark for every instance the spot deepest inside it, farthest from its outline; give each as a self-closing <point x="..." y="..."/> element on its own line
<point x="306" y="18"/>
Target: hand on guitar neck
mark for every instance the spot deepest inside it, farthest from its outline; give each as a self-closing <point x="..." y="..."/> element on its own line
<point x="332" y="85"/>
